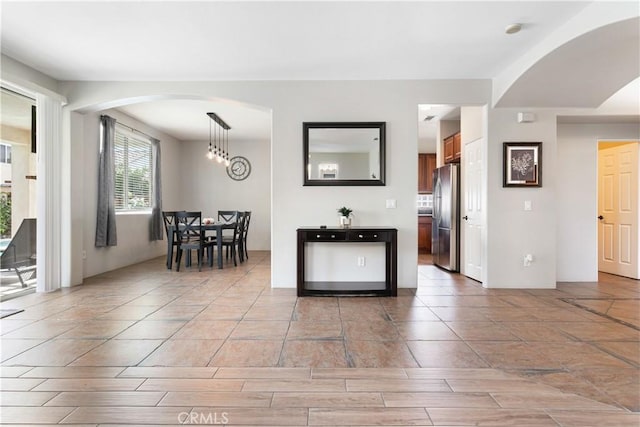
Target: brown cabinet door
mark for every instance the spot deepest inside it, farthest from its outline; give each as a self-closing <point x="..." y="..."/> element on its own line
<point x="448" y="149"/>
<point x="424" y="234"/>
<point x="457" y="149"/>
<point x="423" y="175"/>
<point x="431" y="166"/>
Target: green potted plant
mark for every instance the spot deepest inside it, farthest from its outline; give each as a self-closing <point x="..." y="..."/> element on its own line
<point x="345" y="216"/>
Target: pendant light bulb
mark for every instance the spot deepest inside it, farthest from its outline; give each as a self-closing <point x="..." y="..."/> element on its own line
<point x="227" y="162"/>
<point x="219" y="158"/>
<point x="210" y="152"/>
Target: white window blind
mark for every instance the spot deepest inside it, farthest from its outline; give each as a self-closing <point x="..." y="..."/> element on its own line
<point x="132" y="158"/>
<point x="5" y="153"/>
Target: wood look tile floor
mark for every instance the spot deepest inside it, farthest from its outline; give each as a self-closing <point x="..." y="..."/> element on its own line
<point x="146" y="346"/>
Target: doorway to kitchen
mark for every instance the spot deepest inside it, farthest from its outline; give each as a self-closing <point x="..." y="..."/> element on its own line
<point x="437" y="125"/>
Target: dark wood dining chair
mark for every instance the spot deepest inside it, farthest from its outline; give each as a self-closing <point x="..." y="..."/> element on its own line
<point x="191" y="236"/>
<point x="169" y="219"/>
<point x="231" y="243"/>
<point x="244" y="254"/>
<point x="227" y="216"/>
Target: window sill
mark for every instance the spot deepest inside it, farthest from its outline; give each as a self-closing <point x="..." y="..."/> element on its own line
<point x="141" y="212"/>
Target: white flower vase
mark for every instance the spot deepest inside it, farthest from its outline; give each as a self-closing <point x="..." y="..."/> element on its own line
<point x="345" y="221"/>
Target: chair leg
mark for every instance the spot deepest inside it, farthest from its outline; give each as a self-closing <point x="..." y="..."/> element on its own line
<point x="178" y="259"/>
<point x="200" y="255"/>
<point x="240" y="252"/>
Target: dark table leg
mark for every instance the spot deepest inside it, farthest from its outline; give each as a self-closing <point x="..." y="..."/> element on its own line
<point x="219" y="245"/>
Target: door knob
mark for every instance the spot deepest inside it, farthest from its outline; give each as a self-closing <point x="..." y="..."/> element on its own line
<point x="465" y="217"/>
<point x="600" y="217"/>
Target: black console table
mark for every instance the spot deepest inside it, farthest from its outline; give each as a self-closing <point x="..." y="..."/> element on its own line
<point x="349" y="235"/>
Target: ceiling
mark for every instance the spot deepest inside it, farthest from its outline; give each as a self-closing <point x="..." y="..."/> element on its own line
<point x="187" y="120"/>
<point x="265" y="40"/>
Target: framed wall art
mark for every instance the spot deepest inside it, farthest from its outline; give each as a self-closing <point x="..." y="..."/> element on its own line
<point x="522" y="164"/>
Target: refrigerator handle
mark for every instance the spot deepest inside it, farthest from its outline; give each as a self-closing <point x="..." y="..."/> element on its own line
<point x="437" y="191"/>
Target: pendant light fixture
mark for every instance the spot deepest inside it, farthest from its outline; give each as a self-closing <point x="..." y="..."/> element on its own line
<point x="219" y="146"/>
<point x="210" y="151"/>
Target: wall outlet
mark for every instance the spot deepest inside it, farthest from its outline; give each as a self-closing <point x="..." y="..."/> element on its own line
<point x="361" y="261"/>
<point x="391" y="203"/>
<point x="528" y="259"/>
<point x="527" y="205"/>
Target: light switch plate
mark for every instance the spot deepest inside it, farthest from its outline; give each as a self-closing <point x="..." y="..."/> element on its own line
<point x="391" y="203"/>
<point x="527" y="205"/>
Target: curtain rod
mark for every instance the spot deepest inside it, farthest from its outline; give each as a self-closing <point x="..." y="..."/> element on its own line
<point x="132" y="129"/>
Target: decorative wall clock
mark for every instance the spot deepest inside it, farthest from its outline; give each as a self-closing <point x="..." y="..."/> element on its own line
<point x="239" y="168"/>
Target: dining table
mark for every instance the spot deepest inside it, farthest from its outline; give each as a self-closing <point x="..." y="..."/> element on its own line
<point x="218" y="227"/>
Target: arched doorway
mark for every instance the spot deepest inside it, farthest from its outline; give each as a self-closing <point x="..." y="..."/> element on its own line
<point x="189" y="180"/>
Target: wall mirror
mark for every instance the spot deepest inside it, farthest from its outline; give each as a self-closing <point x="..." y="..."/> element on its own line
<point x="344" y="153"/>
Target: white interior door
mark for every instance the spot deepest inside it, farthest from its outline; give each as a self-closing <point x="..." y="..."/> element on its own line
<point x="618" y="210"/>
<point x="472" y="221"/>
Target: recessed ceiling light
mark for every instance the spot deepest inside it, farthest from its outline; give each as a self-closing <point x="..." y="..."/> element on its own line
<point x="513" y="28"/>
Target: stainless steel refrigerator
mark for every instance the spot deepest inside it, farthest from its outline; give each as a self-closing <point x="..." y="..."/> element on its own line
<point x="445" y="245"/>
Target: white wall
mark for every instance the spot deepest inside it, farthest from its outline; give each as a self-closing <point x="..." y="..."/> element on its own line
<point x="472" y="123"/>
<point x="205" y="186"/>
<point x="577" y="201"/>
<point x="293" y="103"/>
<point x="132" y="229"/>
<point x="14" y="72"/>
<point x="77" y="196"/>
<point x="511" y="231"/>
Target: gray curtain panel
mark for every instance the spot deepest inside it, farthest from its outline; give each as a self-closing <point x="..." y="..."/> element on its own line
<point x="156" y="222"/>
<point x="106" y="221"/>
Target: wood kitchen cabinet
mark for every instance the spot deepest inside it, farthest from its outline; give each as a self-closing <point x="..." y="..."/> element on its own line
<point x="424" y="234"/>
<point x="448" y="149"/>
<point x="457" y="149"/>
<point x="452" y="148"/>
<point x="426" y="165"/>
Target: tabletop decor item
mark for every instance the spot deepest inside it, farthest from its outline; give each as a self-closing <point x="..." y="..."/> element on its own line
<point x="345" y="217"/>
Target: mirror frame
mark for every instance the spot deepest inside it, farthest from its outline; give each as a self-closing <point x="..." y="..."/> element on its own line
<point x="306" y="126"/>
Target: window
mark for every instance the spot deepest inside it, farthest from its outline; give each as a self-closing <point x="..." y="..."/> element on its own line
<point x="328" y="170"/>
<point x="5" y="153"/>
<point x="132" y="159"/>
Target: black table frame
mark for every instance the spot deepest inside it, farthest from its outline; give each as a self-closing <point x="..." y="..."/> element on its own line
<point x="350" y="235"/>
